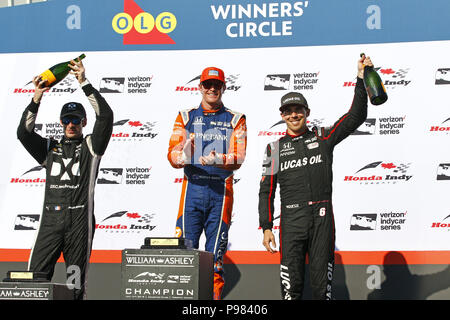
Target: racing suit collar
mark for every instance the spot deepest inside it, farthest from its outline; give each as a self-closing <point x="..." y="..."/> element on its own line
<point x="212" y="111"/>
<point x="297" y="135"/>
<point x="66" y="140"/>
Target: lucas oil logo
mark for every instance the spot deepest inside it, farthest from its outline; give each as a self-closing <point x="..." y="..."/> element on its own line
<point x="300" y="162"/>
<point x="140" y="27"/>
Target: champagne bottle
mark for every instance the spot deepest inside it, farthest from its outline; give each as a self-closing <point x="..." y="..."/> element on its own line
<point x="374" y="86"/>
<point x="59" y="71"/>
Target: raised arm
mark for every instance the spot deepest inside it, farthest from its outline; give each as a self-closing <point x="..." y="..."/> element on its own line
<point x="350" y="121"/>
<point x="36" y="145"/>
<point x="104" y="117"/>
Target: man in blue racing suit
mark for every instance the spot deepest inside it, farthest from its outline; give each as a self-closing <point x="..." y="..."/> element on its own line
<point x="209" y="142"/>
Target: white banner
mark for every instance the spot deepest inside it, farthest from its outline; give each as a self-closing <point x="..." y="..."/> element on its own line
<point x="391" y="178"/>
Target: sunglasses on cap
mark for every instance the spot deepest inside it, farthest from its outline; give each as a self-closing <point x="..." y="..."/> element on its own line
<point x="74" y="120"/>
<point x="208" y="84"/>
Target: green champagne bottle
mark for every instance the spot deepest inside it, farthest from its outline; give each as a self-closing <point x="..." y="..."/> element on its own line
<point x="374" y="86"/>
<point x="59" y="71"/>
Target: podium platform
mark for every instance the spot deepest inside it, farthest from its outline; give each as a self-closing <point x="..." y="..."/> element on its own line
<point x="34" y="291"/>
<point x="163" y="274"/>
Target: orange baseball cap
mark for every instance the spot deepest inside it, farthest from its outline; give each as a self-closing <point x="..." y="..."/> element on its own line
<point x="212" y="73"/>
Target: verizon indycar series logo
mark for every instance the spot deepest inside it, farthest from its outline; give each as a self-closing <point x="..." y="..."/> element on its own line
<point x="127" y="222"/>
<point x="381" y="172"/>
<point x="231" y="80"/>
<point x="366" y="221"/>
<point x="297" y="81"/>
<point x="27" y="222"/>
<point x="392" y="125"/>
<point x="49" y="130"/>
<point x="442" y="76"/>
<point x="443" y="171"/>
<point x="130" y="176"/>
<point x="386" y="221"/>
<point x="134" y="84"/>
<point x="133" y="130"/>
<point x="392" y="78"/>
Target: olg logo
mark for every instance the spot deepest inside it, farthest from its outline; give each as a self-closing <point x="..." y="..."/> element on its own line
<point x="144" y="22"/>
<point x="141" y="27"/>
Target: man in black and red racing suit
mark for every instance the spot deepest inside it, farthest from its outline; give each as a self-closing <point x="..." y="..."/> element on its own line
<point x="301" y="163"/>
<point x="67" y="221"/>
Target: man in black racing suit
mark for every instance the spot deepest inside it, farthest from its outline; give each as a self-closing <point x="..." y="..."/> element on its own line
<point x="301" y="162"/>
<point x="67" y="221"/>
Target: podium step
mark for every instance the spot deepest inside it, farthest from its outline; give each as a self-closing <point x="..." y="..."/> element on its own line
<point x="34" y="291"/>
<point x="167" y="274"/>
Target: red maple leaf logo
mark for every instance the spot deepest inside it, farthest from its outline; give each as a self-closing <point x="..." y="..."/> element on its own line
<point x="134" y="215"/>
<point x="387" y="71"/>
<point x="388" y="165"/>
<point x="135" y="123"/>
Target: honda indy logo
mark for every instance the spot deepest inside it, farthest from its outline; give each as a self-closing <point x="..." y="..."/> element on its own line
<point x="381" y="172"/>
<point x="34" y="176"/>
<point x="232" y="84"/>
<point x="133" y="130"/>
<point x="392" y="78"/>
<point x="443" y="127"/>
<point x="66" y="87"/>
<point x="125" y="221"/>
<point x="444" y="224"/>
<point x="281" y="131"/>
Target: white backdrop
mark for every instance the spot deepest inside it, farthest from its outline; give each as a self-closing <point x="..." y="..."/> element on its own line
<point x="137" y="194"/>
